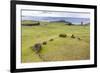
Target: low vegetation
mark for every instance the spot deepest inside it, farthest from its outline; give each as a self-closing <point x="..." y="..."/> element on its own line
<point x="52" y="47"/>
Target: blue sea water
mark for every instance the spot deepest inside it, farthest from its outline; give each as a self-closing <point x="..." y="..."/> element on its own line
<point x="53" y="19"/>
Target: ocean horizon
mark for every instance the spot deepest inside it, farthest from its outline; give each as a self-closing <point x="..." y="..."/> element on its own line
<point x="53" y="19"/>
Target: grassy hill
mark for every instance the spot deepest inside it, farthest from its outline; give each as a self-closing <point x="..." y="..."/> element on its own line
<point x="60" y="49"/>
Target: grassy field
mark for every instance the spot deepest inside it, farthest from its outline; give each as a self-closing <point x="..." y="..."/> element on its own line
<point x="60" y="49"/>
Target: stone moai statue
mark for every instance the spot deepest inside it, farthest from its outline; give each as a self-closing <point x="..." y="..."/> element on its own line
<point x="81" y="23"/>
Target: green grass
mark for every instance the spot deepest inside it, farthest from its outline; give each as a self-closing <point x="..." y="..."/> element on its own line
<point x="28" y="22"/>
<point x="60" y="49"/>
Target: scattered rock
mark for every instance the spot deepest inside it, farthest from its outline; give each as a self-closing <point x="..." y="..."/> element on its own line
<point x="78" y="38"/>
<point x="72" y="36"/>
<point x="51" y="39"/>
<point x="44" y="43"/>
<point x="37" y="47"/>
<point x="62" y="35"/>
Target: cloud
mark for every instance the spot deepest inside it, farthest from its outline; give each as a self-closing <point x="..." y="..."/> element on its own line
<point x="55" y="14"/>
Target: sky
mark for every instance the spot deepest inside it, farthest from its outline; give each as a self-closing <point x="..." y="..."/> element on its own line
<point x="55" y="14"/>
<point x="68" y="16"/>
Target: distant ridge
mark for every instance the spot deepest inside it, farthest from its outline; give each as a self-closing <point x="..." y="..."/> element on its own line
<point x="57" y="19"/>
